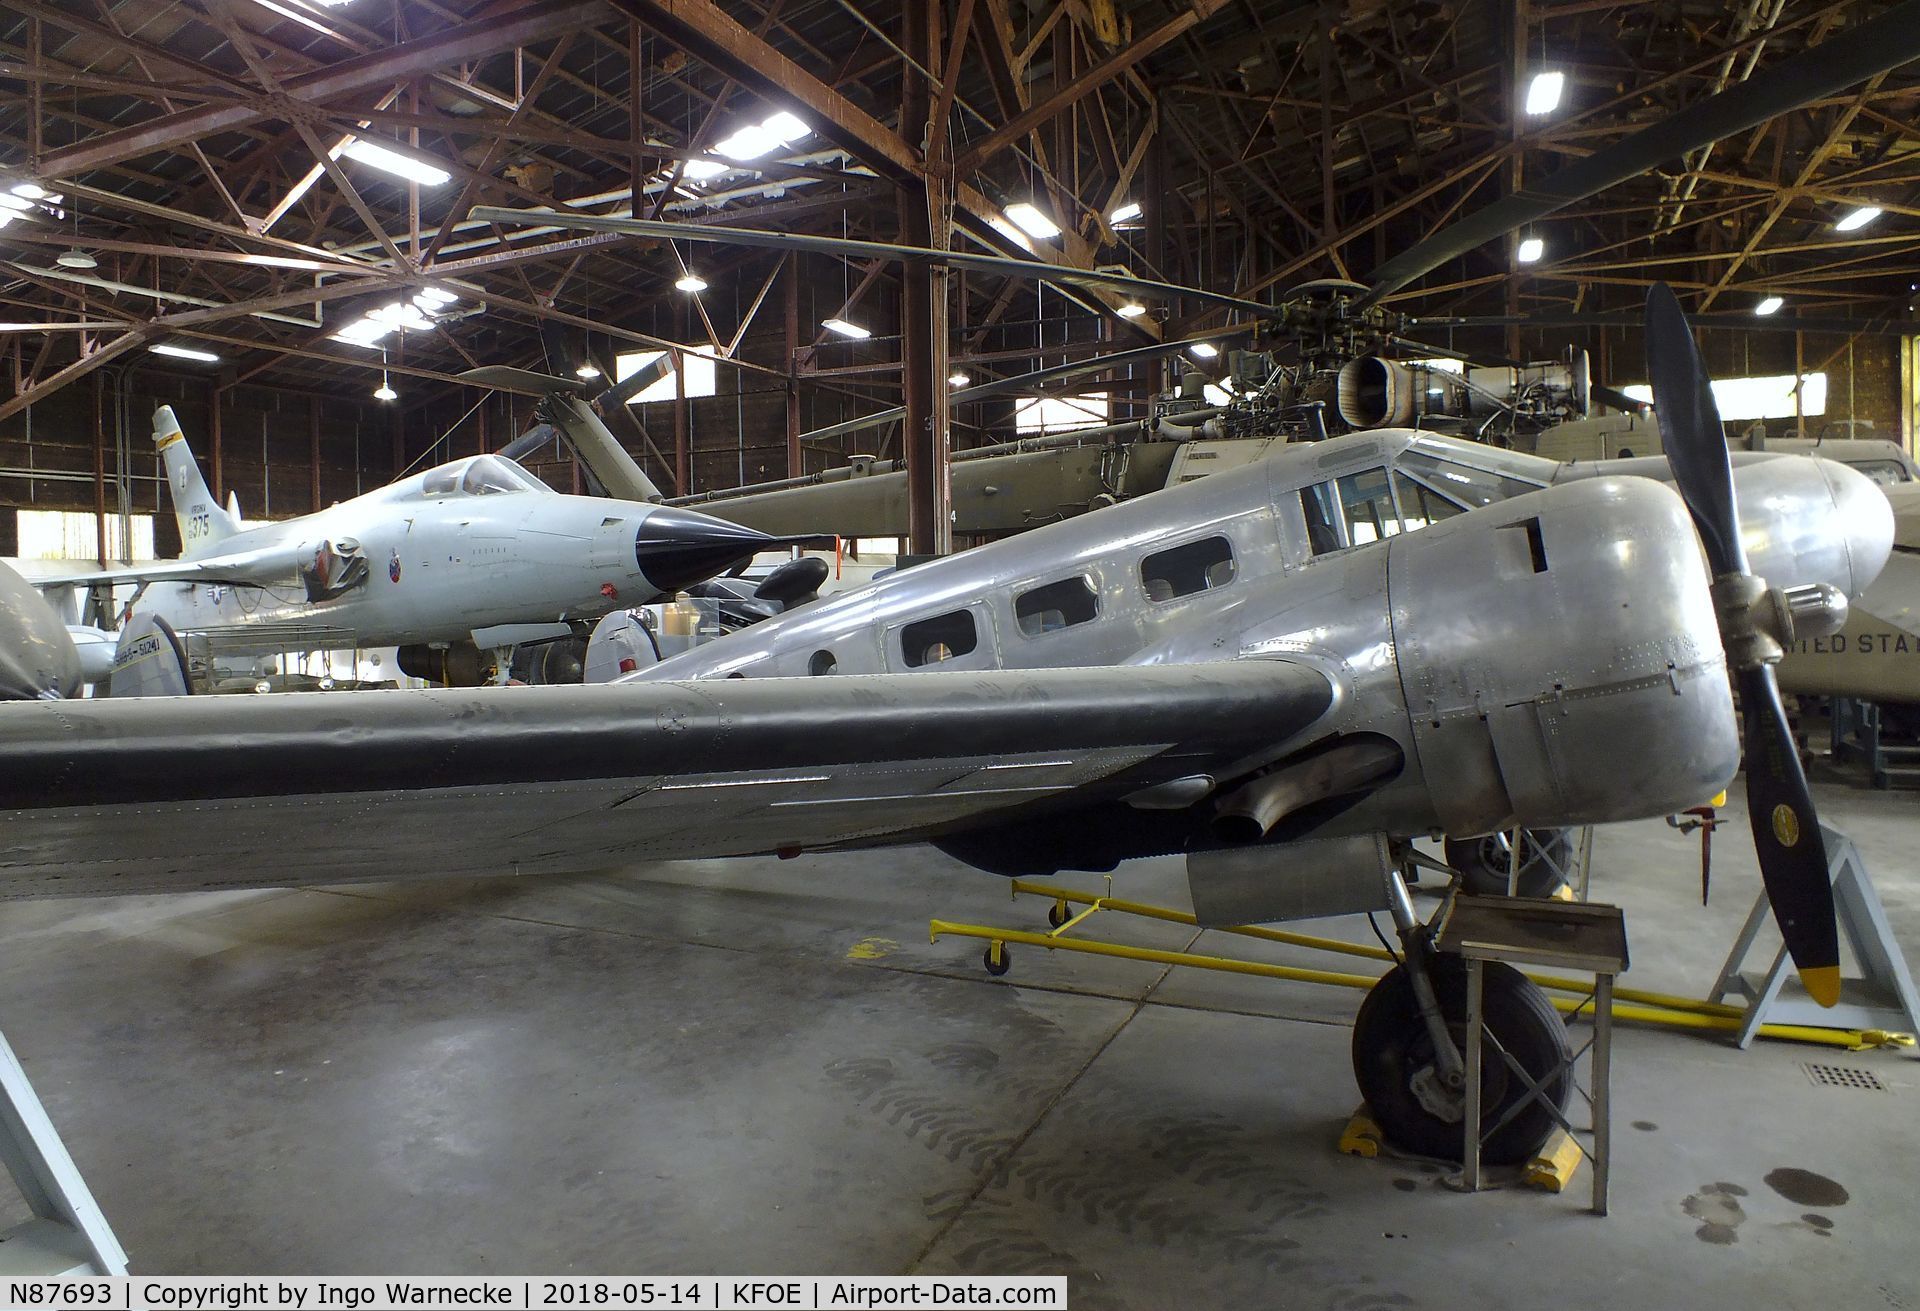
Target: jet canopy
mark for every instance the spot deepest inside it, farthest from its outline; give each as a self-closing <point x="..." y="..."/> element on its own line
<point x="478" y="475"/>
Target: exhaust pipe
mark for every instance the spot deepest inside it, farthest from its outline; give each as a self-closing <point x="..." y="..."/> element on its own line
<point x="1250" y="812"/>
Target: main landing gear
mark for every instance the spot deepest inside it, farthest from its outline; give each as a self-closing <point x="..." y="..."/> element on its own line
<point x="1408" y="1040"/>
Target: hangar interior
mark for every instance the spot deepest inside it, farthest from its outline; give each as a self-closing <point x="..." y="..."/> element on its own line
<point x="262" y="214"/>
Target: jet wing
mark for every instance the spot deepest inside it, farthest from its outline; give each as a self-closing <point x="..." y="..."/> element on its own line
<point x="181" y="793"/>
<point x="264" y="567"/>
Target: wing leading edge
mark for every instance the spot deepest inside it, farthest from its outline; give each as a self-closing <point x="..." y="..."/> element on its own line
<point x="184" y="793"/>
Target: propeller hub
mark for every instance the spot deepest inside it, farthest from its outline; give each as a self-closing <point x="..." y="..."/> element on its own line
<point x="1756" y="623"/>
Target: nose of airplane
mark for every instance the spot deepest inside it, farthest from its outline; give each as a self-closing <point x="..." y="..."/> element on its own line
<point x="676" y="548"/>
<point x="1866" y="517"/>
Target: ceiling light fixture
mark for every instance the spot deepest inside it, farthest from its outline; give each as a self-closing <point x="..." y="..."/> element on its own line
<point x="1126" y="213"/>
<point x="76" y="259"/>
<point x="1531" y="249"/>
<point x="1010" y="232"/>
<point x="691" y="282"/>
<point x="1543" y="93"/>
<point x="1204" y="350"/>
<point x="958" y="380"/>
<point x="587" y="369"/>
<point x="1770" y="305"/>
<point x="1858" y="219"/>
<point x="185" y="353"/>
<point x="1032" y="222"/>
<point x="389" y="161"/>
<point x="1133" y="309"/>
<point x="846" y="329"/>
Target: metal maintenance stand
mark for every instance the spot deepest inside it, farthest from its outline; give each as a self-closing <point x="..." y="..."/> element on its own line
<point x="1587" y="937"/>
<point x="1882" y="998"/>
<point x="67" y="1235"/>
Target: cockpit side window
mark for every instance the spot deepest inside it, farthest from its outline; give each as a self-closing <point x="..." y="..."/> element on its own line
<point x="1420" y="506"/>
<point x="1322" y="514"/>
<point x="441" y="482"/>
<point x="1367" y="502"/>
<point x="1463" y="483"/>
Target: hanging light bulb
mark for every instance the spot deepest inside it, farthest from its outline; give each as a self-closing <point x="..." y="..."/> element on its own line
<point x="691" y="282"/>
<point x="386" y="391"/>
<point x="588" y="369"/>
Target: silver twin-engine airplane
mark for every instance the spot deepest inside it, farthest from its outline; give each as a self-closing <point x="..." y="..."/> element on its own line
<point x="1269" y="671"/>
<point x="426" y="563"/>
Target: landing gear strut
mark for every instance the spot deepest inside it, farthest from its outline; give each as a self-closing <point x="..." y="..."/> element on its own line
<point x="1407" y="1043"/>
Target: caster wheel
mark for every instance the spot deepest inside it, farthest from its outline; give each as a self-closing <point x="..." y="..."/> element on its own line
<point x="996" y="960"/>
<point x="1059" y="913"/>
<point x="1393" y="1062"/>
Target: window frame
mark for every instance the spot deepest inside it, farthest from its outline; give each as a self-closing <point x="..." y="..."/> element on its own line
<point x="1232" y="558"/>
<point x="1092" y="595"/>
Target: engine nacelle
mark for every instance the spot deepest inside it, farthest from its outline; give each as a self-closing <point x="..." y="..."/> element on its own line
<point x="1571" y="674"/>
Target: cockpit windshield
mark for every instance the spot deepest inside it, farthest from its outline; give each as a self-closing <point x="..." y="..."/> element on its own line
<point x="483" y="475"/>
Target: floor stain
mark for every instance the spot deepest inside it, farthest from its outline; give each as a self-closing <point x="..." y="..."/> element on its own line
<point x="1717" y="1207"/>
<point x="1805" y="1188"/>
<point x="871" y="949"/>
<point x="1406" y="1185"/>
<point x="1820" y="1224"/>
<point x="1645" y="1126"/>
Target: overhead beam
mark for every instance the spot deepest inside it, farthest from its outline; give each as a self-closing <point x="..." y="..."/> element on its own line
<point x="508" y="26"/>
<point x="1095" y="77"/>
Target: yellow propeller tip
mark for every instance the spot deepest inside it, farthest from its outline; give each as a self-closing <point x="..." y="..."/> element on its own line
<point x="1822" y="983"/>
<point x="1719" y="798"/>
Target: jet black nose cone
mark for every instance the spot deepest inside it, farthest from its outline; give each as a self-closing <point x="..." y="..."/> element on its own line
<point x="675" y="547"/>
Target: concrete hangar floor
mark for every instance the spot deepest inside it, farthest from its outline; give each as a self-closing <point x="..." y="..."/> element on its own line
<point x="762" y="1067"/>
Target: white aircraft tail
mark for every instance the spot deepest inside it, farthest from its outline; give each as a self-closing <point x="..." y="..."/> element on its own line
<point x="203" y="521"/>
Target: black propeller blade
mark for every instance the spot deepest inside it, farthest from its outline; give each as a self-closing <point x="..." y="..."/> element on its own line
<point x="1786" y="832"/>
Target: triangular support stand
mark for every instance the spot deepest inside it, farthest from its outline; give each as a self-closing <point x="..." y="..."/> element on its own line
<point x="67" y="1234"/>
<point x="1881" y="998"/>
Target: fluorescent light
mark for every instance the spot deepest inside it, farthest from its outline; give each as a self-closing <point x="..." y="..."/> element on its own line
<point x="386" y="393"/>
<point x="1133" y="309"/>
<point x="587" y="370"/>
<point x="845" y="329"/>
<point x="1858" y="219"/>
<point x="185" y="353"/>
<point x="1204" y="350"/>
<point x="388" y="161"/>
<point x="785" y="127"/>
<point x="1010" y="232"/>
<point x="1032" y="221"/>
<point x="28" y="190"/>
<point x="958" y="380"/>
<point x="691" y="282"/>
<point x="1543" y="95"/>
<point x="1531" y="249"/>
<point x="1126" y="213"/>
<point x="1769" y="306"/>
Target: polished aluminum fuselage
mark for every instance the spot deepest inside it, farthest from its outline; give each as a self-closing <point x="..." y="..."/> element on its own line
<point x="1551" y="660"/>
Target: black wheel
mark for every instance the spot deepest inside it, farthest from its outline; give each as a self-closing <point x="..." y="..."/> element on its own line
<point x="997" y="965"/>
<point x="1482" y="862"/>
<point x="1059" y="913"/>
<point x="1393" y="1062"/>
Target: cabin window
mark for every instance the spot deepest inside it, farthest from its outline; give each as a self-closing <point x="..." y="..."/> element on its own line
<point x="1469" y="486"/>
<point x="822" y="662"/>
<point x="941" y="638"/>
<point x="1367" y="502"/>
<point x="1184" y="570"/>
<point x="1420" y="506"/>
<point x="1057" y="605"/>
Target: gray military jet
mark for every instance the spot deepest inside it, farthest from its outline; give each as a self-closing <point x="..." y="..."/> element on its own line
<point x="1285" y="673"/>
<point x="469" y="558"/>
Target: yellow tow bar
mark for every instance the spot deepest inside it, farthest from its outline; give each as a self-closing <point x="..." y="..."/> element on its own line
<point x="1629" y="1003"/>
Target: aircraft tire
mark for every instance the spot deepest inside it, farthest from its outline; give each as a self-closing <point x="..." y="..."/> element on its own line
<point x="1482" y="862"/>
<point x="1391" y="1046"/>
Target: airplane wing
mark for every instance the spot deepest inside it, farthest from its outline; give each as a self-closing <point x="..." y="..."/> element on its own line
<point x="264" y="567"/>
<point x="180" y="793"/>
